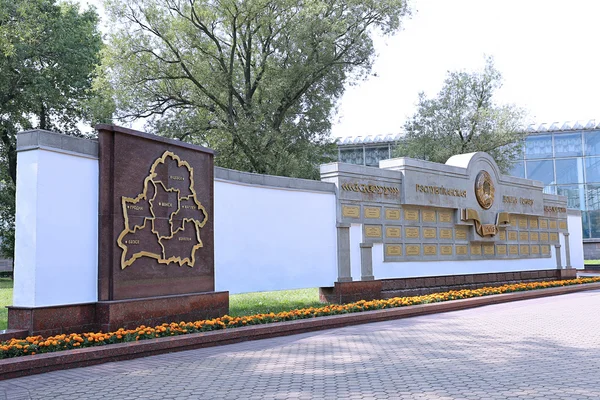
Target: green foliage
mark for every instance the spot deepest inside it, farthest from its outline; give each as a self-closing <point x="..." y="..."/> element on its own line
<point x="272" y="302"/>
<point x="49" y="54"/>
<point x="6" y="294"/>
<point x="463" y="118"/>
<point x="256" y="80"/>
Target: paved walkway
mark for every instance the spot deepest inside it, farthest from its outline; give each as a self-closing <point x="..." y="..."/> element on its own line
<point x="536" y="349"/>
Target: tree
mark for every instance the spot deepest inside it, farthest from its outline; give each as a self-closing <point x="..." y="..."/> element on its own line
<point x="49" y="54"/>
<point x="256" y="80"/>
<point x="463" y="118"/>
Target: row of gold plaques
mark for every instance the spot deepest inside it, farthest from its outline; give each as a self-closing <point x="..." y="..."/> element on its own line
<point x="414" y="232"/>
<point x="537" y="223"/>
<point x="395" y="214"/>
<point x="395" y="250"/>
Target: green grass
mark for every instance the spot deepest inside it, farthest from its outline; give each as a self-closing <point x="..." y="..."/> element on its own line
<point x="6" y="291"/>
<point x="277" y="301"/>
<point x="591" y="262"/>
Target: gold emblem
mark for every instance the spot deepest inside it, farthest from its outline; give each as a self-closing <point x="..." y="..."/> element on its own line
<point x="484" y="190"/>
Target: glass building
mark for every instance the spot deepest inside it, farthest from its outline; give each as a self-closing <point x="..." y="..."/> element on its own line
<point x="565" y="157"/>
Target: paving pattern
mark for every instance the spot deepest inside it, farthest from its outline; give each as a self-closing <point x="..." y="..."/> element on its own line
<point x="545" y="348"/>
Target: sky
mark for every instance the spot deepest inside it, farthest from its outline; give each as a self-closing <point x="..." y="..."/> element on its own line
<point x="546" y="50"/>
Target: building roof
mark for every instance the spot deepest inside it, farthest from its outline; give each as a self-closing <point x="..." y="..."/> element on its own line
<point x="533" y="129"/>
<point x="564" y="126"/>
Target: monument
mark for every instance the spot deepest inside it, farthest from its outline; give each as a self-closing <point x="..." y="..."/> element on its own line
<point x="135" y="229"/>
<point x="155" y="239"/>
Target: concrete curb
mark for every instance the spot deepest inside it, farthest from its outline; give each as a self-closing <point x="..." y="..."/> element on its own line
<point x="39" y="363"/>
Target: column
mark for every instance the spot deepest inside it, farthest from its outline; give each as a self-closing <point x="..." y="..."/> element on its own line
<point x="567" y="251"/>
<point x="343" y="253"/>
<point x="366" y="262"/>
<point x="558" y="261"/>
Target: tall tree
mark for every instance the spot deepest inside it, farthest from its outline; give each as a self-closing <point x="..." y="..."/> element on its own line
<point x="464" y="118"/>
<point x="49" y="54"/>
<point x="257" y="80"/>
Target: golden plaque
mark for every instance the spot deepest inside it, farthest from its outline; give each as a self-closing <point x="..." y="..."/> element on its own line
<point x="523" y="236"/>
<point x="393" y="232"/>
<point x="513" y="249"/>
<point x="533" y="223"/>
<point x="554" y="237"/>
<point x="413" y="250"/>
<point x="391" y="213"/>
<point x="501" y="249"/>
<point x="429" y="233"/>
<point x="545" y="249"/>
<point x="524" y="249"/>
<point x="411" y="215"/>
<point x="373" y="231"/>
<point x="351" y="211"/>
<point x="445" y="216"/>
<point x="562" y="225"/>
<point x="484" y="190"/>
<point x="372" y="212"/>
<point x="428" y="216"/>
<point x="446" y="250"/>
<point x="430" y="250"/>
<point x="476" y="250"/>
<point x="461" y="250"/>
<point x="543" y="224"/>
<point x="411" y="233"/>
<point x="393" y="250"/>
<point x="488" y="249"/>
<point x="446" y="233"/>
<point x="512" y="235"/>
<point x="534" y="236"/>
<point x="544" y="236"/>
<point x="502" y="235"/>
<point x="552" y="224"/>
<point x="535" y="249"/>
<point x="523" y="223"/>
<point x="460" y="234"/>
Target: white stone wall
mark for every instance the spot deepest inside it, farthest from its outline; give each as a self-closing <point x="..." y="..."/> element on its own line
<point x="273" y="238"/>
<point x="575" y="239"/>
<point x="56" y="242"/>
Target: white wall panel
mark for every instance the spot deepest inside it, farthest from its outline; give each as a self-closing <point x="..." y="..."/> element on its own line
<point x="273" y="238"/>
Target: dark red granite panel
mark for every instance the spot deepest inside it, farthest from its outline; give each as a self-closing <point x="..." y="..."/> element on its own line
<point x="112" y="315"/>
<point x="126" y="158"/>
<point x="53" y="320"/>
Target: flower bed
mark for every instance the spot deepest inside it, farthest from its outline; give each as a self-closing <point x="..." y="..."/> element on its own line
<point x="37" y="344"/>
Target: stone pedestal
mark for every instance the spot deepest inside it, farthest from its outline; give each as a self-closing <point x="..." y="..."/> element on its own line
<point x="112" y="315"/>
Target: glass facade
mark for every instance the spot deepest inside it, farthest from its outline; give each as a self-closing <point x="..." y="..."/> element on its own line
<point x="568" y="163"/>
<point x="368" y="154"/>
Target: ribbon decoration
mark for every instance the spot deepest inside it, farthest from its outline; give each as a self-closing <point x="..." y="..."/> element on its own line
<point x="468" y="214"/>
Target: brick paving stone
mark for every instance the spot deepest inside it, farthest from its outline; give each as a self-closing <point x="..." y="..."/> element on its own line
<point x="545" y="348"/>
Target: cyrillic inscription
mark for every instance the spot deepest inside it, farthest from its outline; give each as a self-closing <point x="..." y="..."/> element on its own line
<point x="372" y="212"/>
<point x="393" y="232"/>
<point x="411" y="215"/>
<point x="411" y="233"/>
<point x="430" y="250"/>
<point x="413" y="250"/>
<point x="429" y="233"/>
<point x="446" y="250"/>
<point x="393" y="250"/>
<point x="392" y="213"/>
<point x="351" y="211"/>
<point x="373" y="231"/>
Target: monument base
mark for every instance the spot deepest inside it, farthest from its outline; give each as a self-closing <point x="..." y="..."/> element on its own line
<point x="348" y="292"/>
<point x="112" y="315"/>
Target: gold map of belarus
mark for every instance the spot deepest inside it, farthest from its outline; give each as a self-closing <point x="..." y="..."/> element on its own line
<point x="164" y="221"/>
